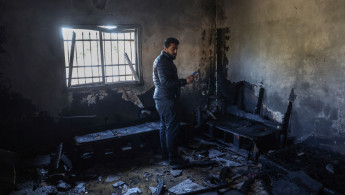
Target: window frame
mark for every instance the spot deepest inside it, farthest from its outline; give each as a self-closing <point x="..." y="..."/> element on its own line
<point x="119" y="28"/>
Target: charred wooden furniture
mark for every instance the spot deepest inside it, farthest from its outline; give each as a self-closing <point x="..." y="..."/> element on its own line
<point x="243" y="133"/>
<point x="243" y="128"/>
<point x="116" y="143"/>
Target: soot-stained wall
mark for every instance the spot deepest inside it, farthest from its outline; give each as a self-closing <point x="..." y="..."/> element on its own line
<point x="291" y="44"/>
<point x="33" y="63"/>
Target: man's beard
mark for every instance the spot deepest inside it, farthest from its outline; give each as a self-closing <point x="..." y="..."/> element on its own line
<point x="173" y="57"/>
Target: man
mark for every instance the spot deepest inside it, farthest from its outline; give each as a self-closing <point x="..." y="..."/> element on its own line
<point x="167" y="92"/>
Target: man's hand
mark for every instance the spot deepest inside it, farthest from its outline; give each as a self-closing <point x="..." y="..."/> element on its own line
<point x="190" y="79"/>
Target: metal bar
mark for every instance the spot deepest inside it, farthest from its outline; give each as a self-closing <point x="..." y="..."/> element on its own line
<point x="91" y="55"/>
<point x="137" y="53"/>
<point x="131" y="67"/>
<point x="76" y="60"/>
<point x="71" y="60"/>
<point x="117" y="64"/>
<point x="86" y="77"/>
<point x="130" y="47"/>
<point x="102" y="54"/>
<point x="101" y="76"/>
<point x="98" y="56"/>
<point x="82" y="35"/>
<point x="67" y="62"/>
<point x="111" y="57"/>
<point x="118" y="54"/>
<point x="124" y="51"/>
<point x="101" y="66"/>
<point x="68" y="53"/>
<point x="119" y="75"/>
<point x="132" y="40"/>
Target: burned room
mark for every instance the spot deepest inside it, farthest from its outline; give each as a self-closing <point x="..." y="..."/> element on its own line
<point x="172" y="97"/>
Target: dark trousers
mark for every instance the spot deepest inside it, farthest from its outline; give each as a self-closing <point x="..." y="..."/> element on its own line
<point x="169" y="127"/>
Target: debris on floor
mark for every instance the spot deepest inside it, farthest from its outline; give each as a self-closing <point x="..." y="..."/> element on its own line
<point x="117" y="184"/>
<point x="215" y="168"/>
<point x="214" y="153"/>
<point x="133" y="191"/>
<point x="63" y="186"/>
<point x="185" y="186"/>
<point x="153" y="189"/>
<point x="112" y="178"/>
<point x="316" y="163"/>
<point x="79" y="188"/>
<point x="175" y="172"/>
<point x="228" y="163"/>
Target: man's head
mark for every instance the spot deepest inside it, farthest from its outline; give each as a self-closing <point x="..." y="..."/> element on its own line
<point x="171" y="46"/>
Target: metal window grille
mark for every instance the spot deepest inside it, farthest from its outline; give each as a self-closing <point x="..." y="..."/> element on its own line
<point x="97" y="55"/>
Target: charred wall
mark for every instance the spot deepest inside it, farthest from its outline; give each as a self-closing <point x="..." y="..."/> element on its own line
<point x="291" y="44"/>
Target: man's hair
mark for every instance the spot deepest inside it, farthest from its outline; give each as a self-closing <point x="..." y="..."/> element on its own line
<point x="170" y="40"/>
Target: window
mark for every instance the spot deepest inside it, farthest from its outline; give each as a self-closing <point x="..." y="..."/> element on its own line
<point x="99" y="55"/>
